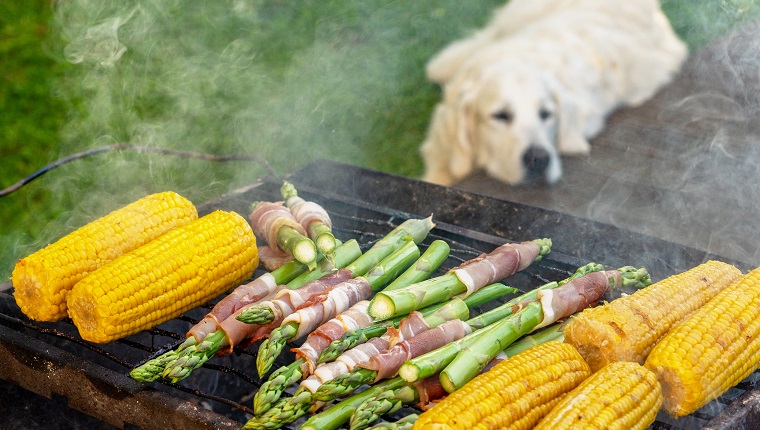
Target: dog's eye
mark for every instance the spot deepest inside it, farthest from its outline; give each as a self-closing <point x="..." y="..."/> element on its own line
<point x="503" y="115"/>
<point x="544" y="114"/>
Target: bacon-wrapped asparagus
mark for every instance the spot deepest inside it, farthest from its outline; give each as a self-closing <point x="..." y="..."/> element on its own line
<point x="502" y="262"/>
<point x="549" y="307"/>
<point x="304" y="320"/>
<point x="284" y="235"/>
<point x="312" y="217"/>
<point x="290" y="409"/>
<point x="357" y="337"/>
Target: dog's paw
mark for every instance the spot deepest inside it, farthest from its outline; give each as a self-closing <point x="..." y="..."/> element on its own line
<point x="574" y="144"/>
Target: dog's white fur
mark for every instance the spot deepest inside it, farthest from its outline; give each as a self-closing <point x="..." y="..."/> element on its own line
<point x="543" y="74"/>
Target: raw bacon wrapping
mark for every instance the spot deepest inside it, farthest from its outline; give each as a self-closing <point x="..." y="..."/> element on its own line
<point x="324" y="307"/>
<point x="502" y="262"/>
<point x="267" y="218"/>
<point x="408" y="327"/>
<point x="241" y="296"/>
<point x="354" y="318"/>
<point x="283" y="303"/>
<point x="307" y="212"/>
<point x="576" y="295"/>
<point x="387" y="364"/>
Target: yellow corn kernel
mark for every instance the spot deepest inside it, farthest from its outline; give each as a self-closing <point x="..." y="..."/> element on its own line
<point x="621" y="396"/>
<point x="626" y="329"/>
<point x="712" y="350"/>
<point x="515" y="393"/>
<point x="174" y="273"/>
<point x="42" y="280"/>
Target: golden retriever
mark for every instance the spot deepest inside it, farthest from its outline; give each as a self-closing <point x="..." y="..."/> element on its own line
<point x="539" y="81"/>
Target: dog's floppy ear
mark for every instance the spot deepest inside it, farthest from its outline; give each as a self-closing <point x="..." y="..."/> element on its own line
<point x="448" y="151"/>
<point x="570" y="130"/>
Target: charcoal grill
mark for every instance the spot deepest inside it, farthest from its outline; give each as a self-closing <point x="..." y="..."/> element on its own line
<point x="50" y="359"/>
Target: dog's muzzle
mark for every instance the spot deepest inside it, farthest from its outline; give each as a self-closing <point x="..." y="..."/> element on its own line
<point x="536" y="160"/>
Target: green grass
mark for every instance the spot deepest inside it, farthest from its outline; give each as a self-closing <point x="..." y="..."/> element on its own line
<point x="290" y="82"/>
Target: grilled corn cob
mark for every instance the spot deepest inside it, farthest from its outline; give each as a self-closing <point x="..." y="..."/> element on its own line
<point x="622" y="395"/>
<point x="515" y="393"/>
<point x="43" y="279"/>
<point x="712" y="350"/>
<point x="626" y="329"/>
<point x="180" y="270"/>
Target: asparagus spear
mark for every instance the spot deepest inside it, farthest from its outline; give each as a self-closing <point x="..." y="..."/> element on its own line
<point x="180" y="365"/>
<point x="340" y="413"/>
<point x="289" y="273"/>
<point x="405" y="423"/>
<point x="379" y="276"/>
<point x="319" y="226"/>
<point x="434" y="361"/>
<point x="544" y="310"/>
<point x="471" y="276"/>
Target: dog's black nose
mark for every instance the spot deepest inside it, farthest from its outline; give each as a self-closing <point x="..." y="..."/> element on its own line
<point x="536" y="160"/>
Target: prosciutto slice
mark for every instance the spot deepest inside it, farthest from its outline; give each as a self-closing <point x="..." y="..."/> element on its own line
<point x="267" y="218"/>
<point x="354" y="318"/>
<point x="387" y="364"/>
<point x="500" y="263"/>
<point x="408" y="327"/>
<point x="307" y="212"/>
<point x="273" y="258"/>
<point x="322" y="308"/>
<point x="241" y="296"/>
<point x="283" y="302"/>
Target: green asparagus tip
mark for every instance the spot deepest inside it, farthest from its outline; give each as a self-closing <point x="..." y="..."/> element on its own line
<point x="635" y="277"/>
<point x="288" y="190"/>
<point x="256" y="315"/>
<point x="278" y="381"/>
<point x="545" y="246"/>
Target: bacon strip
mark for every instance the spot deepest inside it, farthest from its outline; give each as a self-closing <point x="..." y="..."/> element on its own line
<point x="273" y="258"/>
<point x="347" y="362"/>
<point x="283" y="303"/>
<point x="267" y="218"/>
<point x="322" y="308"/>
<point x="308" y="212"/>
<point x="354" y="318"/>
<point x="502" y="262"/>
<point x="241" y="296"/>
<point x="576" y="295"/>
<point x="387" y="364"/>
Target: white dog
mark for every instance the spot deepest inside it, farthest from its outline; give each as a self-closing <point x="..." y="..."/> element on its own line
<point x="539" y="80"/>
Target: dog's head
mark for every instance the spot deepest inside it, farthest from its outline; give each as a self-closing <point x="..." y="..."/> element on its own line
<point x="504" y="119"/>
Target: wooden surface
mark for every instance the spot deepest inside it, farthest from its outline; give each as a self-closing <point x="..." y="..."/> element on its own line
<point x="685" y="166"/>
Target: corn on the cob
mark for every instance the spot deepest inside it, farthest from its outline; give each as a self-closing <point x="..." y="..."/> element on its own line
<point x="176" y="272"/>
<point x="621" y="396"/>
<point x="626" y="329"/>
<point x="43" y="279"/>
<point x="712" y="350"/>
<point x="515" y="393"/>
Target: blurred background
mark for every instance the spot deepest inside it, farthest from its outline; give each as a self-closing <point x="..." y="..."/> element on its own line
<point x="286" y="81"/>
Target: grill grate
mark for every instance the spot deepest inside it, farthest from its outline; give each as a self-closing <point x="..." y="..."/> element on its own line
<point x="219" y="395"/>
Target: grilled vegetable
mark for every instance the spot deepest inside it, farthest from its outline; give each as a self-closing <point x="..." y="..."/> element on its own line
<point x="486" y="269"/>
<point x="627" y="328"/>
<point x="312" y="217"/>
<point x="516" y="391"/>
<point x="43" y="279"/>
<point x="622" y="395"/>
<point x="274" y="223"/>
<point x="180" y="270"/>
<point x="712" y="350"/>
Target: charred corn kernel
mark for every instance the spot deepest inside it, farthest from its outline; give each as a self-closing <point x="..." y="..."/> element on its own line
<point x="515" y="393"/>
<point x="178" y="271"/>
<point x="712" y="350"/>
<point x="42" y="280"/>
<point x="621" y="396"/>
<point x="626" y="329"/>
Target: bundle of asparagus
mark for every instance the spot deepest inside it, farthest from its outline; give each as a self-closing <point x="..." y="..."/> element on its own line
<point x="312" y="217"/>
